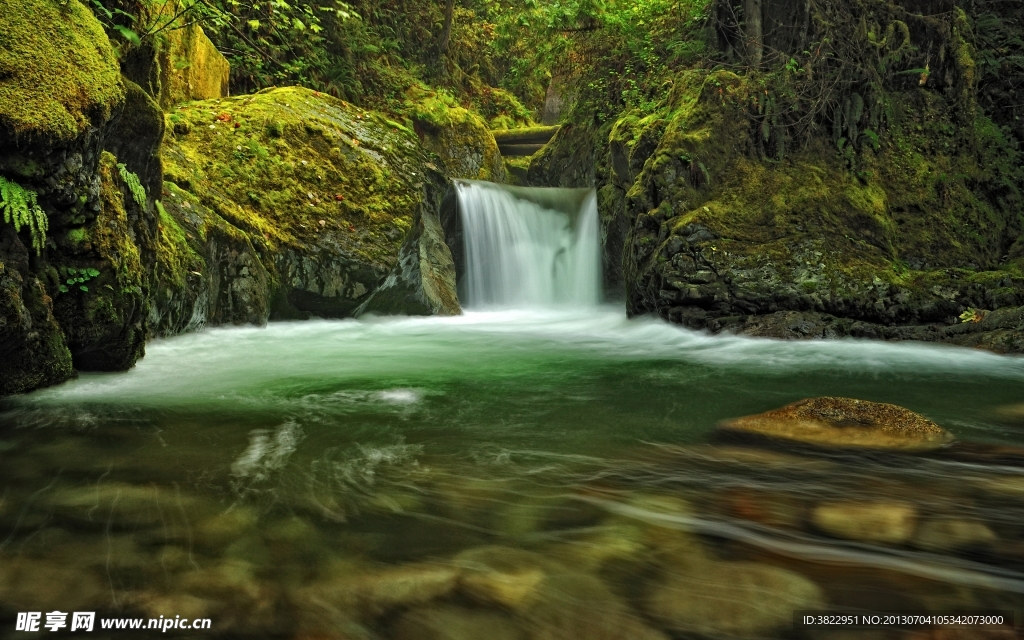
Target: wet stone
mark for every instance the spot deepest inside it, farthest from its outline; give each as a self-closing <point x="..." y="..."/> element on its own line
<point x="455" y="623"/>
<point x="950" y="534"/>
<point x="367" y="591"/>
<point x="843" y="423"/>
<point x="578" y="606"/>
<point x="47" y="584"/>
<point x="732" y="599"/>
<point x="117" y="504"/>
<point x="882" y="522"/>
<point x="506" y="576"/>
<point x="1012" y="413"/>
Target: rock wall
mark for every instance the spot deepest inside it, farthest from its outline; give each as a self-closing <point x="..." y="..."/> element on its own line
<point x="79" y="295"/>
<point x="707" y="233"/>
<point x="191" y="68"/>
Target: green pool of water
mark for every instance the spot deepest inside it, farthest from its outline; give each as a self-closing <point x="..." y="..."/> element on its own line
<point x="234" y="472"/>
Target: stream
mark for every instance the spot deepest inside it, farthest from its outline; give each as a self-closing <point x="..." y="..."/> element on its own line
<point x="539" y="467"/>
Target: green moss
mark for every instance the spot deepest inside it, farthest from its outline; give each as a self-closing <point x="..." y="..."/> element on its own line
<point x="925" y="210"/>
<point x="58" y="73"/>
<point x="174" y="255"/>
<point x="276" y="164"/>
<point x="456" y="134"/>
<point x="112" y="237"/>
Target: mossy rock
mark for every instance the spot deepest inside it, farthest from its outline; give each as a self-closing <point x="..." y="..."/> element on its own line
<point x="58" y="72"/>
<point x="207" y="271"/>
<point x="722" y="239"/>
<point x="31" y="341"/>
<point x="461" y="139"/>
<point x="104" y="315"/>
<point x="324" y="191"/>
<point x="190" y="66"/>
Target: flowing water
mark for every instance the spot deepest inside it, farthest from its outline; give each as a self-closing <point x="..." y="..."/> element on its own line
<point x="540" y="467"/>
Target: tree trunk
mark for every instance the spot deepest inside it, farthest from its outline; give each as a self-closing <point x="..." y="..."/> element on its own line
<point x="446" y="32"/>
<point x="753" y="32"/>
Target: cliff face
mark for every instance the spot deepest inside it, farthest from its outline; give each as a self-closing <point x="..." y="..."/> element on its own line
<point x="914" y="234"/>
<point x="85" y="261"/>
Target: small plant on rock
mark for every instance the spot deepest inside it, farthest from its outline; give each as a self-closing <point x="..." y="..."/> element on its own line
<point x="78" y="276"/>
<point x="21" y="209"/>
<point x="972" y="315"/>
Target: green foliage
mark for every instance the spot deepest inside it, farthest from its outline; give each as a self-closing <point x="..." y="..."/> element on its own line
<point x="77" y="277"/>
<point x="22" y="210"/>
<point x="972" y="315"/>
<point x="614" y="54"/>
<point x="132" y="181"/>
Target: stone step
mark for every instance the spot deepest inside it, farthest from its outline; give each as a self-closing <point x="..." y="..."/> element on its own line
<point x="518" y="150"/>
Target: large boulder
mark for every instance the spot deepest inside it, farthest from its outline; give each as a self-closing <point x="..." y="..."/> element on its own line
<point x="291" y="203"/>
<point x="191" y="67"/>
<point x="842" y="422"/>
<point x="83" y="289"/>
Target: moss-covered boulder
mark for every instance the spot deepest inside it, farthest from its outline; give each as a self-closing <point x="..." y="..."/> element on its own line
<point x="190" y="66"/>
<point x="323" y="192"/>
<point x="84" y="289"/>
<point x="58" y="73"/>
<point x="898" y="241"/>
<point x="460" y="138"/>
<point x="208" y="272"/>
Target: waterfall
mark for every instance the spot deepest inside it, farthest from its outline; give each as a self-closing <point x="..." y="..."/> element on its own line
<point x="529" y="247"/>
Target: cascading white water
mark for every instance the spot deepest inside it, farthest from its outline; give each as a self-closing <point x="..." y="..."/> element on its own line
<point x="529" y="247"/>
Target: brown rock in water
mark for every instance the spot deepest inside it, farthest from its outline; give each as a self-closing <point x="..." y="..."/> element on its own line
<point x="843" y="422"/>
<point x="948" y="534"/>
<point x="502" y="575"/>
<point x="1011" y="413"/>
<point x="455" y="623"/>
<point x="886" y="522"/>
<point x="731" y="599"/>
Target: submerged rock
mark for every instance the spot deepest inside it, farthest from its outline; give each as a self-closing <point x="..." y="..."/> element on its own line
<point x="579" y="606"/>
<point x="506" y="576"/>
<point x="843" y="422"/>
<point x="950" y="534"/>
<point x="114" y="503"/>
<point x="886" y="522"/>
<point x="1011" y="413"/>
<point x="363" y="591"/>
<point x="731" y="599"/>
<point x="455" y="623"/>
<point x="28" y="584"/>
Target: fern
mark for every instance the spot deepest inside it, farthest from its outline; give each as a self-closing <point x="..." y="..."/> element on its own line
<point x="21" y="209"/>
<point x="132" y="180"/>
